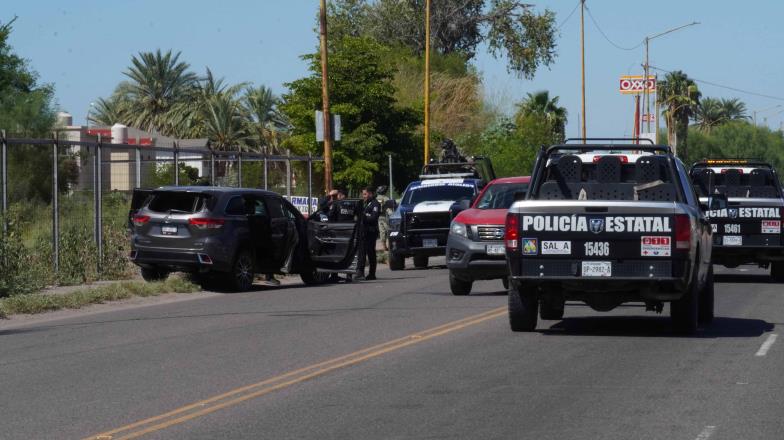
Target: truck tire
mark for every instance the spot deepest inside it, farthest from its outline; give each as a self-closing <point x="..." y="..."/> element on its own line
<point x="420" y="261"/>
<point x="523" y="311"/>
<point x="505" y="282"/>
<point x="551" y="310"/>
<point x="154" y="274"/>
<point x="705" y="314"/>
<point x="685" y="311"/>
<point x="396" y="261"/>
<point x="459" y="287"/>
<point x="777" y="271"/>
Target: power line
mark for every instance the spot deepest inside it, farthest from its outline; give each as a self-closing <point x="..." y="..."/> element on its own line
<point x="734" y="89"/>
<point x="617" y="46"/>
<point x="563" y="23"/>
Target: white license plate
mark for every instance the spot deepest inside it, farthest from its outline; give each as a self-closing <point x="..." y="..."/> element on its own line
<point x="597" y="269"/>
<point x="496" y="249"/>
<point x="169" y="230"/>
<point x="732" y="240"/>
<point x="430" y="242"/>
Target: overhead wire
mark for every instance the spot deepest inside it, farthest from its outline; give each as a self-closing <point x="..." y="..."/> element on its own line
<point x="563" y="23"/>
<point x="734" y="89"/>
<point x="617" y="46"/>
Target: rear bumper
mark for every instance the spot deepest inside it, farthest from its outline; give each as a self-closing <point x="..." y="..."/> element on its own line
<point x="187" y="260"/>
<point x="747" y="254"/>
<point x="468" y="260"/>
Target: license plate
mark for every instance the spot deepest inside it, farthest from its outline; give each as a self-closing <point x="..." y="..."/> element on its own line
<point x="169" y="230"/>
<point x="732" y="240"/>
<point x="597" y="269"/>
<point x="496" y="249"/>
<point x="430" y="242"/>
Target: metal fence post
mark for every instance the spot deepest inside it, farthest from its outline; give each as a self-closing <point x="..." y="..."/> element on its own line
<point x="138" y="167"/>
<point x="55" y="208"/>
<point x="176" y="165"/>
<point x="212" y="168"/>
<point x="288" y="173"/>
<point x="4" y="178"/>
<point x="239" y="169"/>
<point x="99" y="202"/>
<point x="391" y="186"/>
<point x="266" y="170"/>
<point x="310" y="183"/>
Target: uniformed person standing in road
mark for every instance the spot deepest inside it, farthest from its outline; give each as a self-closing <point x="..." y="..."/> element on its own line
<point x="368" y="228"/>
<point x="383" y="219"/>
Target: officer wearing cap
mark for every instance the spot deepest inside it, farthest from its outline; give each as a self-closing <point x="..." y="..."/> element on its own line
<point x="368" y="228"/>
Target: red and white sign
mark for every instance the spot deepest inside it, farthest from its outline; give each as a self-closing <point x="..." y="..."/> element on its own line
<point x="634" y="85"/>
<point x="649" y="117"/>
<point x="655" y="246"/>
<point x="771" y="226"/>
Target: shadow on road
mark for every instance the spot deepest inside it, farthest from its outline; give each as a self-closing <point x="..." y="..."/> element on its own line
<point x="722" y="327"/>
<point x="742" y="278"/>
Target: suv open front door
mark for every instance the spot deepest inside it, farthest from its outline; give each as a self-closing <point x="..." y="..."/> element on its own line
<point x="332" y="243"/>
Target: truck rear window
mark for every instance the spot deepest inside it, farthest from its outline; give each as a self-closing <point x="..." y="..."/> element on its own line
<point x="500" y="195"/>
<point x="177" y="202"/>
<point x="756" y="183"/>
<point x="608" y="177"/>
<point x="432" y="193"/>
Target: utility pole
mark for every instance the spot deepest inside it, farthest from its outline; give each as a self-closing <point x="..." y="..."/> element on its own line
<point x="645" y="97"/>
<point x="582" y="51"/>
<point x="325" y="99"/>
<point x="427" y="81"/>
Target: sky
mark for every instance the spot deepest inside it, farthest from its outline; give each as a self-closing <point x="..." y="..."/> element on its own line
<point x="83" y="46"/>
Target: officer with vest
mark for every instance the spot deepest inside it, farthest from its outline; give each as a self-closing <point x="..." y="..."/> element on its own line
<point x="368" y="233"/>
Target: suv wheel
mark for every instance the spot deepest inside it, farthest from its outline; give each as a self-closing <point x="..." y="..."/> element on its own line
<point x="242" y="272"/>
<point x="777" y="271"/>
<point x="420" y="262"/>
<point x="396" y="261"/>
<point x="523" y="310"/>
<point x="685" y="311"/>
<point x="154" y="274"/>
<point x="310" y="276"/>
<point x="459" y="287"/>
<point x="705" y="314"/>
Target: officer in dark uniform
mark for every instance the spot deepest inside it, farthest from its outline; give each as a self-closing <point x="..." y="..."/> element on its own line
<point x="368" y="233"/>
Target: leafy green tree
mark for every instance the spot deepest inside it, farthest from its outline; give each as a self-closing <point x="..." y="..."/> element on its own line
<point x="680" y="97"/>
<point x="361" y="91"/>
<point x="737" y="139"/>
<point x="547" y="109"/>
<point x="267" y="126"/>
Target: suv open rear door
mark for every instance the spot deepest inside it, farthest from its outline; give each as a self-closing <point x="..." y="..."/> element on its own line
<point x="137" y="201"/>
<point x="332" y="242"/>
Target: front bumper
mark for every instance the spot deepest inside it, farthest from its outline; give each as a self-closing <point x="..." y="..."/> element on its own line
<point x="412" y="243"/>
<point x="468" y="259"/>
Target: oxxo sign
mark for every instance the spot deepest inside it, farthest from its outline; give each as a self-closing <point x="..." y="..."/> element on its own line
<point x="634" y="84"/>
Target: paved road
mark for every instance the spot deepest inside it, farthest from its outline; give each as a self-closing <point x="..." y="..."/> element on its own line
<point x="397" y="358"/>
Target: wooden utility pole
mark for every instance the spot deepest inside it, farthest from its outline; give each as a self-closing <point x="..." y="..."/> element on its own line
<point x="325" y="99"/>
<point x="427" y="81"/>
<point x="582" y="51"/>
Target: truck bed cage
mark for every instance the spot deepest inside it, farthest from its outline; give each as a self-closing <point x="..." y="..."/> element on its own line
<point x="732" y="162"/>
<point x="621" y="139"/>
<point x="476" y="167"/>
<point x="652" y="148"/>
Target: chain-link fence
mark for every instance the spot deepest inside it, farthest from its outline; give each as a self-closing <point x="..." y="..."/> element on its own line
<point x="64" y="203"/>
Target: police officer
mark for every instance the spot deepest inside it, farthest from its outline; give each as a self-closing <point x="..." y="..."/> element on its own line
<point x="368" y="228"/>
<point x="383" y="220"/>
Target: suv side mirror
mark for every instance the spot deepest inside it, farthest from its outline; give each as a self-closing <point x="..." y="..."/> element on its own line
<point x="717" y="202"/>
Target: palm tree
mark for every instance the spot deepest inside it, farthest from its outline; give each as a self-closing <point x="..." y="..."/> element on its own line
<point x="266" y="124"/>
<point x="157" y="83"/>
<point x="224" y="123"/>
<point x="734" y="109"/>
<point x="709" y="113"/>
<point x="540" y="104"/>
<point x="680" y="97"/>
<point x="110" y="111"/>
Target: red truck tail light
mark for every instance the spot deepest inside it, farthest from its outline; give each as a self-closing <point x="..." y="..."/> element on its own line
<point x="623" y="158"/>
<point x="682" y="231"/>
<point x="511" y="235"/>
<point x="140" y="220"/>
<point x="207" y="223"/>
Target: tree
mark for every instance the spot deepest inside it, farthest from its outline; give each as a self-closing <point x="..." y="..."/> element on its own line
<point x="734" y="109"/>
<point x="361" y="91"/>
<point x="266" y="124"/>
<point x="737" y="139"/>
<point x="510" y="28"/>
<point x="709" y="113"/>
<point x="680" y="97"/>
<point x="540" y="104"/>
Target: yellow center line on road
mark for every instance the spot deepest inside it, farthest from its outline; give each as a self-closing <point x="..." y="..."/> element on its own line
<point x="239" y="395"/>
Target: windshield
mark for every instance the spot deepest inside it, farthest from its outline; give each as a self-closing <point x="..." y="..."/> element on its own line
<point x="430" y="193"/>
<point x="500" y="196"/>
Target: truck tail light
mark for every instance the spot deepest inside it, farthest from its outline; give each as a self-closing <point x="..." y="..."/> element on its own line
<point x="682" y="232"/>
<point x="140" y="220"/>
<point x="511" y="235"/>
<point x="207" y="223"/>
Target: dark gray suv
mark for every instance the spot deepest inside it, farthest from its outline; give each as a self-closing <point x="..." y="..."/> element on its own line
<point x="233" y="234"/>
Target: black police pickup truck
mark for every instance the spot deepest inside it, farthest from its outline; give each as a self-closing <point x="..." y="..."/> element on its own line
<point x="607" y="225"/>
<point x="746" y="213"/>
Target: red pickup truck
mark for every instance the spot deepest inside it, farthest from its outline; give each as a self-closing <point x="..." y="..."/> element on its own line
<point x="475" y="247"/>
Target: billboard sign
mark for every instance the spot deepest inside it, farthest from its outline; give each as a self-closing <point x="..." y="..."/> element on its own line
<point x="634" y="85"/>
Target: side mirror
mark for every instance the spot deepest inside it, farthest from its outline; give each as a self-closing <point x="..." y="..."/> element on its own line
<point x="717" y="202"/>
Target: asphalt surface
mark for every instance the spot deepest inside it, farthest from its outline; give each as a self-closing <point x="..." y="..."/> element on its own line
<point x="253" y="366"/>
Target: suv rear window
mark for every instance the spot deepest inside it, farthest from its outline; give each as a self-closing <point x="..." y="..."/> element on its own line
<point x="177" y="202"/>
<point x="500" y="195"/>
<point x="432" y="193"/>
<point x="739" y="182"/>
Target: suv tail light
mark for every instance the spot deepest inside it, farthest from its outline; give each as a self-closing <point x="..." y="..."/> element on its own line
<point x="140" y="220"/>
<point x="682" y="231"/>
<point x="511" y="234"/>
<point x="207" y="223"/>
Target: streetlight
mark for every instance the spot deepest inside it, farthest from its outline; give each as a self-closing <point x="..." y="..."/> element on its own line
<point x="645" y="96"/>
<point x="762" y="111"/>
